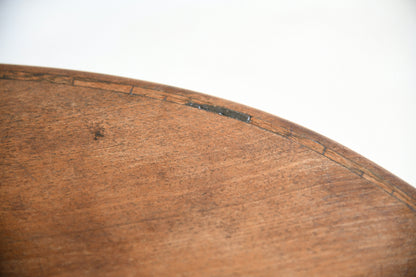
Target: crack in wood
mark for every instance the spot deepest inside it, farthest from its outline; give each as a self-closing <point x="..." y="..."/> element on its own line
<point x="221" y="111"/>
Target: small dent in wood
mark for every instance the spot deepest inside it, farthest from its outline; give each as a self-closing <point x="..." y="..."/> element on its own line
<point x="98" y="134"/>
<point x="97" y="130"/>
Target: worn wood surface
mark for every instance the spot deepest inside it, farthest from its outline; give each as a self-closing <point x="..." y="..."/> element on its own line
<point x="105" y="176"/>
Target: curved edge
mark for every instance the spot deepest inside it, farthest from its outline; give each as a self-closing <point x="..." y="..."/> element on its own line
<point x="339" y="154"/>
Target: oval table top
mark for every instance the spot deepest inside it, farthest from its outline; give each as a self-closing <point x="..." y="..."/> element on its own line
<point x="107" y="176"/>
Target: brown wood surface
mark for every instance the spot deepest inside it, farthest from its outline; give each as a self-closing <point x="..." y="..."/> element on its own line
<point x="106" y="176"/>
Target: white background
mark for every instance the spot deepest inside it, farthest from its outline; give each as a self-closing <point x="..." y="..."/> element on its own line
<point x="345" y="69"/>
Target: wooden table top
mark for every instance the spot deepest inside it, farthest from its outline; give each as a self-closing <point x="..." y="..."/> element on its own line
<point x="107" y="176"/>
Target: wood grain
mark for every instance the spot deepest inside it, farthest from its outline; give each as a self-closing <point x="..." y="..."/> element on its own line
<point x="106" y="176"/>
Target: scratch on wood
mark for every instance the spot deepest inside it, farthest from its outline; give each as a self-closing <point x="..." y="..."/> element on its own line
<point x="102" y="85"/>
